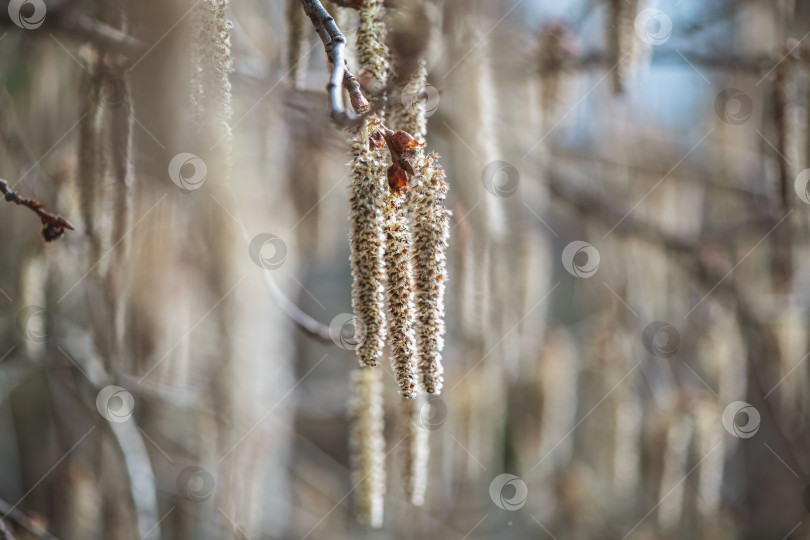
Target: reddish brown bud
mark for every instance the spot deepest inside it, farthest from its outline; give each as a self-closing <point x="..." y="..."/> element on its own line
<point x="397" y="180"/>
<point x="402" y="142"/>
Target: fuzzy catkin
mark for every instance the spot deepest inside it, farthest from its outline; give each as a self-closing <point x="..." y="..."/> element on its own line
<point x="401" y="309"/>
<point x="408" y="104"/>
<point x="296" y="39"/>
<point x="622" y="45"/>
<point x="88" y="167"/>
<point x="367" y="200"/>
<point x="367" y="244"/>
<point x="372" y="54"/>
<point x="122" y="169"/>
<point x="367" y="445"/>
<point x="431" y="229"/>
<point x="210" y="77"/>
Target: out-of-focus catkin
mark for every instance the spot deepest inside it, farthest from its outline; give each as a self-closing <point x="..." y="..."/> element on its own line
<point x="210" y="77"/>
<point x="296" y="39"/>
<point x="430" y="227"/>
<point x="408" y="104"/>
<point x="401" y="309"/>
<point x="89" y="169"/>
<point x="367" y="444"/>
<point x="417" y="453"/>
<point x="622" y="46"/>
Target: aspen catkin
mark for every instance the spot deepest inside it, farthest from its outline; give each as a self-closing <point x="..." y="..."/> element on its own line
<point x="372" y="54"/>
<point x="367" y="444"/>
<point x="417" y="453"/>
<point x="367" y="242"/>
<point x="401" y="309"/>
<point x="210" y="80"/>
<point x="431" y="229"/>
<point x="367" y="200"/>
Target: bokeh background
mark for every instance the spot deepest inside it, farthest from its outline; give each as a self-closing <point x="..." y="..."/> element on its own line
<point x="627" y="304"/>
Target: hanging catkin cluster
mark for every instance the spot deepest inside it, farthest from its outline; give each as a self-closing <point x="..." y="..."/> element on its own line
<point x="367" y="444"/>
<point x="398" y="236"/>
<point x="431" y="229"/>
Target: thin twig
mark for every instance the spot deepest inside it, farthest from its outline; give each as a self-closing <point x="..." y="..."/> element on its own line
<point x="334" y="44"/>
<point x="54" y="225"/>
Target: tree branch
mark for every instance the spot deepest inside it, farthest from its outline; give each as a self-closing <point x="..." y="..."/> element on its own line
<point x="53" y="225"/>
<point x="335" y="45"/>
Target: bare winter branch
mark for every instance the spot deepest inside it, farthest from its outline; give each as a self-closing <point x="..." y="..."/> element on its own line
<point x="335" y="45"/>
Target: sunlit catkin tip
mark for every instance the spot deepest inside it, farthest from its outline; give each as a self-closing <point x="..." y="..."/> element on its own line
<point x="401" y="309"/>
<point x="430" y="226"/>
<point x="367" y="245"/>
<point x="367" y="445"/>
